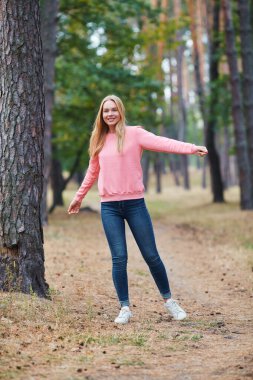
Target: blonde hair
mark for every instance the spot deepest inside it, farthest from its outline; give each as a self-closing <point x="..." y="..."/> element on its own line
<point x="100" y="128"/>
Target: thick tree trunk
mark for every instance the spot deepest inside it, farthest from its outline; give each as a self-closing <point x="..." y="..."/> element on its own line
<point x="214" y="160"/>
<point x="49" y="9"/>
<point x="21" y="154"/>
<point x="237" y="113"/>
<point x="247" y="64"/>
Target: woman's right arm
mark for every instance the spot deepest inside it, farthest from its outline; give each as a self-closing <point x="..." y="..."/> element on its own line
<point x="89" y="179"/>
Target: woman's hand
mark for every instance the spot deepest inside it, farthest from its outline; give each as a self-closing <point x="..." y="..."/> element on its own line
<point x="74" y="207"/>
<point x="201" y="151"/>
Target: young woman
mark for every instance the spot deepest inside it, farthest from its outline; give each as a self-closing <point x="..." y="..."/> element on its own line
<point x="115" y="154"/>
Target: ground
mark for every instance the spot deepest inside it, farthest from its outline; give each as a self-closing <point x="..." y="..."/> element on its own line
<point x="208" y="252"/>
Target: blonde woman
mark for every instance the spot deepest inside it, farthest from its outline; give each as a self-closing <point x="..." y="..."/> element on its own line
<point x="115" y="159"/>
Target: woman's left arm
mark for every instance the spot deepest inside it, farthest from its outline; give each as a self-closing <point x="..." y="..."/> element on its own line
<point x="150" y="141"/>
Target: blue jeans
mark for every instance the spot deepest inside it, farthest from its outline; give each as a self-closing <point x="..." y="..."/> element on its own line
<point x="113" y="216"/>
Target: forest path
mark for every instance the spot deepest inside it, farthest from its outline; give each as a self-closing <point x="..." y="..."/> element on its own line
<point x="210" y="275"/>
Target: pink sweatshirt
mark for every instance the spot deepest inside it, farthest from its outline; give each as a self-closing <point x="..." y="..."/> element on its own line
<point x="120" y="174"/>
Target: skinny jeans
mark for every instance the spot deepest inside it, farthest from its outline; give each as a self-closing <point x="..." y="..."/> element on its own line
<point x="134" y="211"/>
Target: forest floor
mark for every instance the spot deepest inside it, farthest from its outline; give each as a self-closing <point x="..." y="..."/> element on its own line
<point x="208" y="252"/>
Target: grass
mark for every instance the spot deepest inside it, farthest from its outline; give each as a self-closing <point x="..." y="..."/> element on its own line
<point x="141" y="273"/>
<point x="196" y="337"/>
<point x="32" y="309"/>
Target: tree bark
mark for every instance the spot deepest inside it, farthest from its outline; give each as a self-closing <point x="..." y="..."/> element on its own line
<point x="214" y="160"/>
<point x="21" y="154"/>
<point x="247" y="74"/>
<point x="237" y="112"/>
<point x="49" y="9"/>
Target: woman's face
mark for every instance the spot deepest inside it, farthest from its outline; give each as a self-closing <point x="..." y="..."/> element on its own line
<point x="111" y="114"/>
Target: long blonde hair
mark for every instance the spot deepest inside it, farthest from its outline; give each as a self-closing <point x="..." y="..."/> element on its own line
<point x="100" y="128"/>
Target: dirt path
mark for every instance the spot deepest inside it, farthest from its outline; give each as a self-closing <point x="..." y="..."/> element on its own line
<point x="75" y="337"/>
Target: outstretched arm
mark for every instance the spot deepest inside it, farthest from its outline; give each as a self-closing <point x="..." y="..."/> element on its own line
<point x="150" y="141"/>
<point x="89" y="179"/>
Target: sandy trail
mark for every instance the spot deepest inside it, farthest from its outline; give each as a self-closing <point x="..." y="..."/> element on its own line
<point x="206" y="277"/>
<point x="75" y="337"/>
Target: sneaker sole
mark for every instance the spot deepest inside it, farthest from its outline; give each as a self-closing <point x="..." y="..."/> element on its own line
<point x="179" y="319"/>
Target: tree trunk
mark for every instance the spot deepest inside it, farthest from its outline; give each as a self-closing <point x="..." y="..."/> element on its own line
<point x="247" y="64"/>
<point x="57" y="183"/>
<point x="79" y="177"/>
<point x="172" y="103"/>
<point x="226" y="173"/>
<point x="49" y="9"/>
<point x="182" y="117"/>
<point x="214" y="160"/>
<point x="208" y="23"/>
<point x="198" y="79"/>
<point x="237" y="112"/>
<point x="171" y="132"/>
<point x="21" y="154"/>
<point x="145" y="167"/>
<point x="158" y="172"/>
<point x="174" y="172"/>
<point x="181" y="101"/>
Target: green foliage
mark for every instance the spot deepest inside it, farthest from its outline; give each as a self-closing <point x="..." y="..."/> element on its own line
<point x="113" y="47"/>
<point x="101" y="50"/>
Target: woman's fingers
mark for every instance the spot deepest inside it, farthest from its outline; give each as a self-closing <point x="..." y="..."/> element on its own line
<point x="73" y="211"/>
<point x="201" y="151"/>
<point x="201" y="154"/>
<point x="74" y="207"/>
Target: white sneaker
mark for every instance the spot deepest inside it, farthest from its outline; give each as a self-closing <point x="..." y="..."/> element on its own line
<point x="124" y="315"/>
<point x="175" y="310"/>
